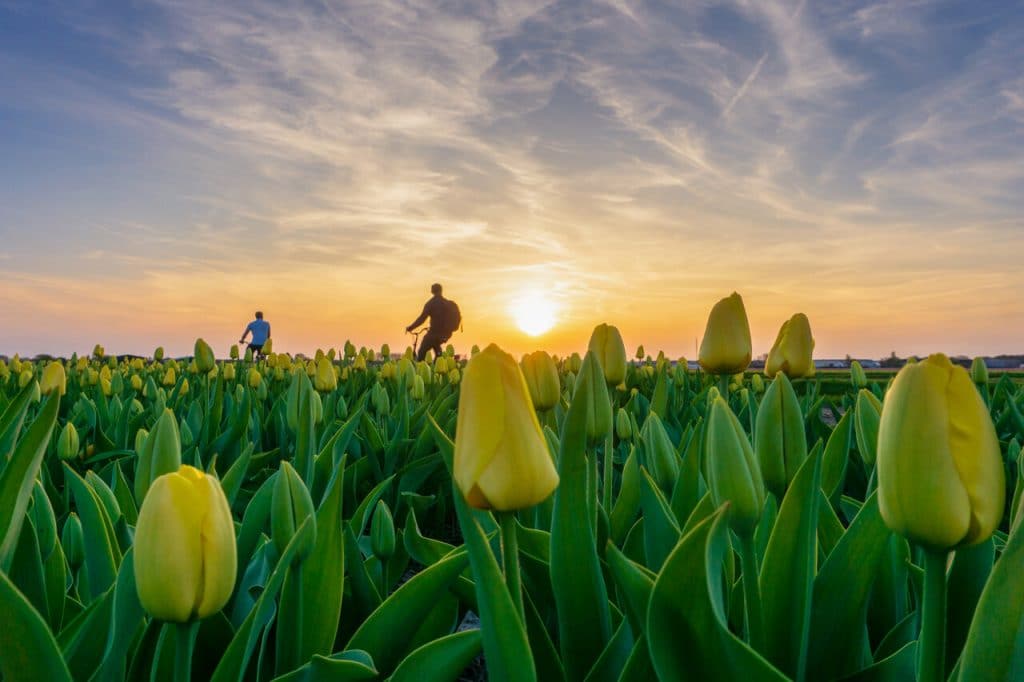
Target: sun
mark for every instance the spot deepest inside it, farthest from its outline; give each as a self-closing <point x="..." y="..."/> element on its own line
<point x="533" y="312"/>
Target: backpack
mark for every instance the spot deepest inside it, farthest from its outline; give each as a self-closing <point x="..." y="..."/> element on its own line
<point x="452" y="318"/>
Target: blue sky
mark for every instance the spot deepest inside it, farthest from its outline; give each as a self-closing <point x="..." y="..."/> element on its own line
<point x="171" y="166"/>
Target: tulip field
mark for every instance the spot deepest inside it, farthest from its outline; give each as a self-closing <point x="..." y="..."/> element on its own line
<point x="361" y="516"/>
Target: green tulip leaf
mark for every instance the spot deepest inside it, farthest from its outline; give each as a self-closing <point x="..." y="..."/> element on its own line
<point x="347" y="666"/>
<point x="102" y="554"/>
<point x="787" y="572"/>
<point x="440" y="660"/>
<point x="584" y="619"/>
<point x="127" y="617"/>
<point x="613" y="659"/>
<point x="687" y="630"/>
<point x="18" y="477"/>
<point x="635" y="583"/>
<point x="995" y="642"/>
<point x="387" y="632"/>
<point x="28" y="651"/>
<point x="833" y="466"/>
<point x="899" y="667"/>
<point x="308" y="617"/>
<point x="661" y="533"/>
<point x="838" y="644"/>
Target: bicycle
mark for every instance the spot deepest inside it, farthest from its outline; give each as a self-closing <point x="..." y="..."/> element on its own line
<point x="416" y="337"/>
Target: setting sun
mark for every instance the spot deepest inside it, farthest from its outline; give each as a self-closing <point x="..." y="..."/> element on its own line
<point x="533" y="313"/>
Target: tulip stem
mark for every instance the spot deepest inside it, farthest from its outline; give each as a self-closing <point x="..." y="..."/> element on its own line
<point x="510" y="560"/>
<point x="184" y="645"/>
<point x="751" y="593"/>
<point x="931" y="648"/>
<point x="723" y="386"/>
<point x="609" y="453"/>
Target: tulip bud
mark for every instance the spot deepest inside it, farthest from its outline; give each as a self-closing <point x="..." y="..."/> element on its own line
<point x="575" y="363"/>
<point x="233" y="352"/>
<point x="733" y="472"/>
<point x="661" y="458"/>
<point x="865" y="424"/>
<point x="541" y="377"/>
<point x="184" y="387"/>
<point x="24" y="378"/>
<point x="268" y="347"/>
<point x="67" y="443"/>
<point x="940" y="472"/>
<point x="623" y="425"/>
<point x="793" y="349"/>
<point x="757" y="383"/>
<point x="606" y="344"/>
<point x="98" y="351"/>
<point x="53" y="378"/>
<point x="474" y="350"/>
<point x="160" y="454"/>
<point x="590" y="386"/>
<point x="501" y="457"/>
<point x="140" y="440"/>
<point x="779" y="435"/>
<point x="185" y="554"/>
<point x="326" y="380"/>
<point x="857" y="376"/>
<point x="726" y="347"/>
<point x="979" y="371"/>
<point x="417" y="389"/>
<point x="454" y="376"/>
<point x="640" y="354"/>
<point x="385" y="351"/>
<point x="254" y="378"/>
<point x="382" y="532"/>
<point x="158" y="354"/>
<point x="359" y="363"/>
<point x="379" y="400"/>
<point x="72" y="541"/>
<point x="291" y="504"/>
<point x="229" y="372"/>
<point x="170" y="378"/>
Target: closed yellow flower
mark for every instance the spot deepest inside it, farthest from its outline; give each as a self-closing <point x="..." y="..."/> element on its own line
<point x="501" y="457"/>
<point x="54" y="379"/>
<point x="940" y="472"/>
<point x="254" y="378"/>
<point x="793" y="349"/>
<point x="606" y="342"/>
<point x="325" y="378"/>
<point x="185" y="555"/>
<point x="726" y="347"/>
<point x="541" y="379"/>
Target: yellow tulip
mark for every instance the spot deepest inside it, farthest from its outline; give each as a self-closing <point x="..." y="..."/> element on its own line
<point x="940" y="471"/>
<point x="726" y="347"/>
<point x="606" y="342"/>
<point x="254" y="378"/>
<point x="268" y="347"/>
<point x="541" y="379"/>
<point x="54" y="378"/>
<point x="501" y="457"/>
<point x="185" y="555"/>
<point x="325" y="379"/>
<point x="793" y="349"/>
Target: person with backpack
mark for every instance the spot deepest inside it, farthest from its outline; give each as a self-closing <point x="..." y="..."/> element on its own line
<point x="445" y="319"/>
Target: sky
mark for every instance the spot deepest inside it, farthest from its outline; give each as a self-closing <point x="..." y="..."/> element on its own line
<point x="170" y="167"/>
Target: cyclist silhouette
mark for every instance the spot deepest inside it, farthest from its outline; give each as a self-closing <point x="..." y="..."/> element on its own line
<point x="445" y="318"/>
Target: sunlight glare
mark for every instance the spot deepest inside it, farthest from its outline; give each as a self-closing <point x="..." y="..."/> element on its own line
<point x="533" y="313"/>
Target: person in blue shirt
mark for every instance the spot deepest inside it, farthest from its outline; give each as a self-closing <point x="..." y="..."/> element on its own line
<point x="260" y="330"/>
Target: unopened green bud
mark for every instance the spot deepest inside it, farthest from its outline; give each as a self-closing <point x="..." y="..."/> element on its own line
<point x="382" y="532"/>
<point x="291" y="504"/>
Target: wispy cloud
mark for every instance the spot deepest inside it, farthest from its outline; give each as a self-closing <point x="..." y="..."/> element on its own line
<point x="228" y="153"/>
